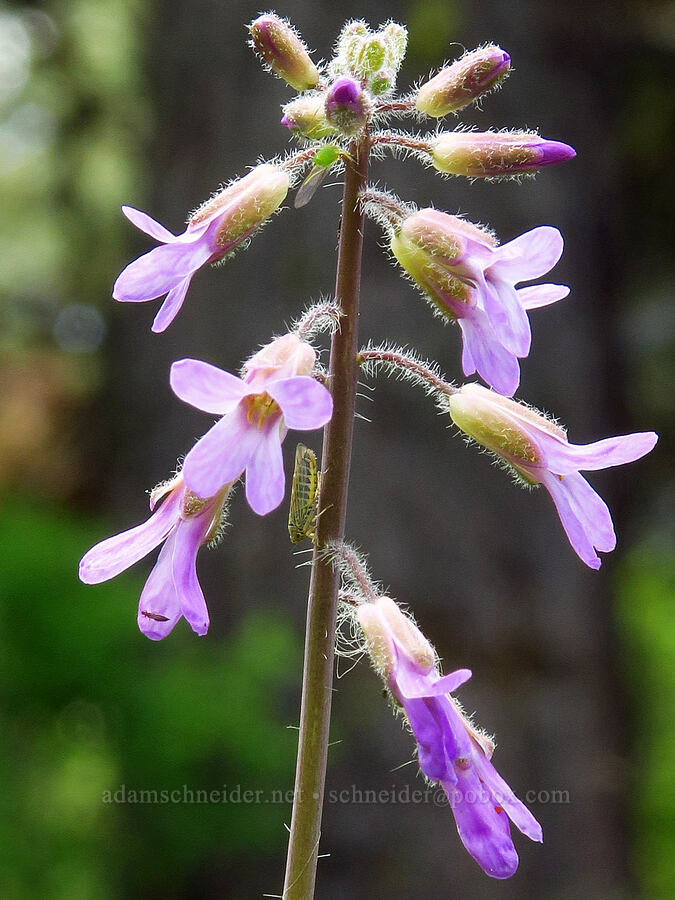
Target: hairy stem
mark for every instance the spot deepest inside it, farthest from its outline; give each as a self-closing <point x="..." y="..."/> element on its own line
<point x="310" y="775"/>
<point x="404" y="363"/>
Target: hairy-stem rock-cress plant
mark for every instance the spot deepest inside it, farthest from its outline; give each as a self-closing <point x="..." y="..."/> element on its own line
<point x="341" y="121"/>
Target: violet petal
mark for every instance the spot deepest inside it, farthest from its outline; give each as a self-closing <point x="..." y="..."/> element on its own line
<point x="265" y="480"/>
<point x="304" y="402"/>
<point x="158" y="607"/>
<point x="115" y="554"/>
<point x="222" y="454"/>
<point x="189" y="537"/>
<point x="206" y="387"/>
<point x="148" y="225"/>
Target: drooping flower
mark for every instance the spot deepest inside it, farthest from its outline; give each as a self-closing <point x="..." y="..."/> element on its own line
<point x="539" y="453"/>
<point x="217" y="228"/>
<point x="449" y="749"/>
<point x="276" y="393"/>
<point x="470" y="278"/>
<point x="182" y="522"/>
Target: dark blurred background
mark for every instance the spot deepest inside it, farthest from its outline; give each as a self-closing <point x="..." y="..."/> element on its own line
<point x="154" y="104"/>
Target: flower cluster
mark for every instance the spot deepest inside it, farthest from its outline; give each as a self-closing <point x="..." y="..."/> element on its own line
<point x="486" y="287"/>
<point x="277" y="392"/>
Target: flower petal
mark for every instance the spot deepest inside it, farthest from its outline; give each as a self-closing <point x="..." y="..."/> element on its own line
<point x="584" y="516"/>
<point x="502" y="794"/>
<point x="493" y="362"/>
<point x="206" y="387"/>
<point x="146" y="224"/>
<point x="157" y="272"/>
<point x="507" y="317"/>
<point x="614" y="451"/>
<point x="305" y="403"/>
<point x="222" y="454"/>
<point x="171" y="306"/>
<point x="429" y="736"/>
<point x="265" y="480"/>
<point x="158" y="607"/>
<point x="413" y="684"/>
<point x="483" y="829"/>
<point x="117" y="553"/>
<point x="189" y="537"/>
<point x="528" y="256"/>
<point x="537" y="295"/>
<point x="563" y="458"/>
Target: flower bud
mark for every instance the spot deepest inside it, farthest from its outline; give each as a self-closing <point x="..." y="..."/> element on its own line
<point x="490" y="154"/>
<point x="372" y="55"/>
<point x="463" y="82"/>
<point x="382" y="81"/>
<point x="349" y="45"/>
<point x="281" y="48"/>
<point x="347" y="106"/>
<point x="284" y="357"/>
<point x="306" y="116"/>
<point x="245" y="204"/>
<point x="396" y="37"/>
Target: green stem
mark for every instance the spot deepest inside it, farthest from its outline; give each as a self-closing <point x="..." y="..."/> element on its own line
<point x="310" y="775"/>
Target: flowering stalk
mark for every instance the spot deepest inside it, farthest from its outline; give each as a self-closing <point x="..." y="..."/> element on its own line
<point x="317" y="679"/>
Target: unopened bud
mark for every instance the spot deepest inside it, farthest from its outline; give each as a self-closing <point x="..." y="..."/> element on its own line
<point x="350" y="40"/>
<point x="463" y="82"/>
<point x="505" y="427"/>
<point x="372" y="57"/>
<point x="372" y="54"/>
<point x="347" y="106"/>
<point x="491" y="154"/>
<point x="396" y="37"/>
<point x="245" y="204"/>
<point x="281" y="48"/>
<point x="284" y="357"/>
<point x="307" y="116"/>
<point x="382" y="81"/>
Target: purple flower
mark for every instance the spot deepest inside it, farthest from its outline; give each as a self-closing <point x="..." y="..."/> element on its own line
<point x="472" y="279"/>
<point x="539" y="453"/>
<point x="449" y="749"/>
<point x="182" y="522"/>
<point x="276" y="393"/>
<point x="216" y="229"/>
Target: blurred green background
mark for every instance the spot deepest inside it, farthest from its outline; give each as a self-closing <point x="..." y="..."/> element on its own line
<point x="153" y="104"/>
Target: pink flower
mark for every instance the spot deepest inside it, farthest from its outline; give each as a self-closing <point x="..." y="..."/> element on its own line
<point x="216" y="229"/>
<point x="449" y="748"/>
<point x="183" y="523"/>
<point x="470" y="278"/>
<point x="539" y="453"/>
<point x="276" y="393"/>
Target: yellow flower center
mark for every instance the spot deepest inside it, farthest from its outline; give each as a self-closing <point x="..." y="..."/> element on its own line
<point x="260" y="407"/>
